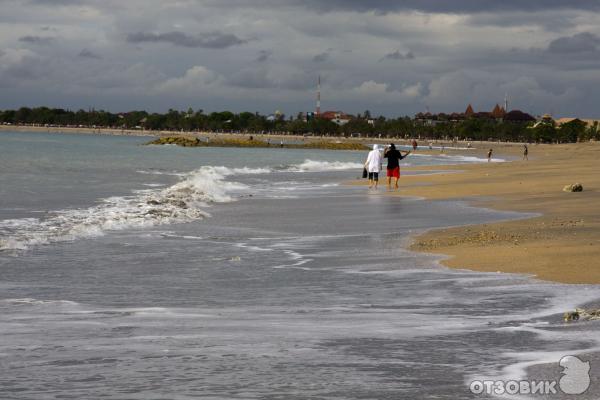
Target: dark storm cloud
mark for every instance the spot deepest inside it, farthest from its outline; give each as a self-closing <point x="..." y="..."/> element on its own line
<point x="553" y="20"/>
<point x="36" y="39"/>
<point x="85" y="53"/>
<point x="211" y="40"/>
<point x="579" y="43"/>
<point x="272" y="52"/>
<point x="397" y="55"/>
<point x="446" y="6"/>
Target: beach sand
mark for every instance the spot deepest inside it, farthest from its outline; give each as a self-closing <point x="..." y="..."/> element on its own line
<point x="561" y="244"/>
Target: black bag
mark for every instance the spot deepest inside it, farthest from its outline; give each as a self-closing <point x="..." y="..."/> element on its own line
<point x="365" y="173"/>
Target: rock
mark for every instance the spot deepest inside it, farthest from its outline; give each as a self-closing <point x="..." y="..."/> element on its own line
<point x="582" y="314"/>
<point x="571" y="316"/>
<point x="576" y="187"/>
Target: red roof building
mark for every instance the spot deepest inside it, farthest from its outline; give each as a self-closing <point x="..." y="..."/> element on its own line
<point x="498" y="112"/>
<point x="469" y="111"/>
<point x="338" y="117"/>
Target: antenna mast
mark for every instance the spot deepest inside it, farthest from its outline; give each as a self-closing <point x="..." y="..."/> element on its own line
<point x="319" y="96"/>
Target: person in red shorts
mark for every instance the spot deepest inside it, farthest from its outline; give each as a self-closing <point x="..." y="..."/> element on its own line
<point x="393" y="167"/>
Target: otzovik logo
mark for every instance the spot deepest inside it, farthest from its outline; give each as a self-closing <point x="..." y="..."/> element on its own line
<point x="576" y="375"/>
<point x="574" y="380"/>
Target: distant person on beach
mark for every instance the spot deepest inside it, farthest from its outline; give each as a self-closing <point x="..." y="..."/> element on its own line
<point x="525" y="152"/>
<point x="393" y="167"/>
<point x="414" y="145"/>
<point x="373" y="166"/>
<point x="490" y="155"/>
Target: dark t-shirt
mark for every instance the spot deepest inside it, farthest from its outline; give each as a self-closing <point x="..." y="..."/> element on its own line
<point x="393" y="156"/>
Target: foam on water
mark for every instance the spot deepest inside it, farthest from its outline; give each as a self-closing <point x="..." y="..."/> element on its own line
<point x="449" y="158"/>
<point x="182" y="202"/>
<point x="317" y="166"/>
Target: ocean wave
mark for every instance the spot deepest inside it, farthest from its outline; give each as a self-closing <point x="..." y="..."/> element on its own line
<point x="320" y="166"/>
<point x="457" y="158"/>
<point x="182" y="202"/>
<point x="472" y="159"/>
<point x="35" y="302"/>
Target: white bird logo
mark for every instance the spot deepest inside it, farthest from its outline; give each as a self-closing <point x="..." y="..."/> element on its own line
<point x="576" y="375"/>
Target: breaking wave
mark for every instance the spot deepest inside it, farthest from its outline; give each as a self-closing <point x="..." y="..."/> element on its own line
<point x="318" y="166"/>
<point x="182" y="202"/>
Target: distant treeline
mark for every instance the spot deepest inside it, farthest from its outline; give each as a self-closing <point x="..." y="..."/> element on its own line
<point x="361" y="125"/>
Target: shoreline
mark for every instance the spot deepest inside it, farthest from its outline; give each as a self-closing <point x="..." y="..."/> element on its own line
<point x="560" y="243"/>
<point x="447" y="144"/>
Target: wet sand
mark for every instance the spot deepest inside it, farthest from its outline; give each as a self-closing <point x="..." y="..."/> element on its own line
<point x="562" y="244"/>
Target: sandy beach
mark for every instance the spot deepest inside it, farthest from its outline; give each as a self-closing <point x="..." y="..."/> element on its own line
<point x="561" y="243"/>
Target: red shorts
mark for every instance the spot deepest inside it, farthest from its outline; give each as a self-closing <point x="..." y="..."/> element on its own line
<point x="393" y="173"/>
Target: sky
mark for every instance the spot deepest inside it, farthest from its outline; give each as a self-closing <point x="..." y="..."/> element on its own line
<point x="393" y="58"/>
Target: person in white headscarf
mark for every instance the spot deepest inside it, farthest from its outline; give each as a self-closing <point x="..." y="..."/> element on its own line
<point x="373" y="166"/>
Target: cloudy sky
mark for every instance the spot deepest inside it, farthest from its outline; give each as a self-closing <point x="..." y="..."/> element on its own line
<point x="390" y="57"/>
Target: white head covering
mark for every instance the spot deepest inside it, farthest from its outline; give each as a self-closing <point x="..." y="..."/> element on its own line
<point x="374" y="160"/>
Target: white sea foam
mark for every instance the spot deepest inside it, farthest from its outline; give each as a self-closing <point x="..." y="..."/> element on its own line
<point x="318" y="166"/>
<point x="182" y="202"/>
<point x="474" y="159"/>
<point x="36" y="302"/>
<point x="457" y="158"/>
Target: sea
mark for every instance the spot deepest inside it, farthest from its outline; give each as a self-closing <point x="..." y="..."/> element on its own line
<point x="160" y="272"/>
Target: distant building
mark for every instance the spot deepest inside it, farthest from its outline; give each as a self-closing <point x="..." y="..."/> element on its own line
<point x="469" y="111"/>
<point x="588" y="122"/>
<point x="518" y="116"/>
<point x="337" y="117"/>
<point x="545" y="119"/>
<point x="428" y="119"/>
<point x="498" y="112"/>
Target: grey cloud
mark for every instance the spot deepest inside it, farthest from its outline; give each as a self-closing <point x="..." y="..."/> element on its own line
<point x="51" y="3"/>
<point x="322" y="57"/>
<point x="36" y="39"/>
<point x="579" y="43"/>
<point x="397" y="55"/>
<point x="281" y="70"/>
<point x="455" y="6"/>
<point x="85" y="53"/>
<point x="211" y="40"/>
<point x="551" y="20"/>
<point x="263" y="55"/>
<point x="430" y="6"/>
<point x="299" y="81"/>
<point x="251" y="79"/>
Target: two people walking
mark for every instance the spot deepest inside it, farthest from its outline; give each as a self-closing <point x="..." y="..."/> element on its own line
<point x="374" y="162"/>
